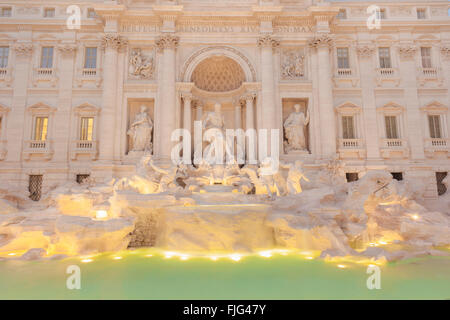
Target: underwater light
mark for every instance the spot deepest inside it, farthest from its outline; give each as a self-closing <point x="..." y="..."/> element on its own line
<point x="117" y="258"/>
<point x="309" y="258"/>
<point x="86" y="260"/>
<point x="265" y="254"/>
<point x="213" y="258"/>
<point x="184" y="257"/>
<point x="169" y="255"/>
<point x="101" y="214"/>
<point x="149" y="255"/>
<point x="415" y="217"/>
<point x="235" y="257"/>
<point x="12" y="254"/>
<point x="341" y="266"/>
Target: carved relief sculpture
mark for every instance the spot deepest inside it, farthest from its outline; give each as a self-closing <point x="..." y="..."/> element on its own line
<point x="407" y="52"/>
<point x="141" y="67"/>
<point x="293" y="64"/>
<point x="295" y="129"/>
<point x="141" y="132"/>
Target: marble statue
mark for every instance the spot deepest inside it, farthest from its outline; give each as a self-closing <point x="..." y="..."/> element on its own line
<point x="213" y="124"/>
<point x="294" y="129"/>
<point x="141" y="131"/>
<point x="295" y="175"/>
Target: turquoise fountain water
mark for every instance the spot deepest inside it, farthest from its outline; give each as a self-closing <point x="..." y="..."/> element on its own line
<point x="148" y="274"/>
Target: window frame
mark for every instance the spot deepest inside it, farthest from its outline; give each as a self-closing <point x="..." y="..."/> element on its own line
<point x="2" y="10"/>
<point x="339" y="58"/>
<point x="381" y="59"/>
<point x="85" y="57"/>
<point x="45" y="10"/>
<point x="430" y="57"/>
<point x="2" y="57"/>
<point x="43" y="65"/>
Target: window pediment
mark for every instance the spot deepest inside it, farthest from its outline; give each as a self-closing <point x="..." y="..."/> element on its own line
<point x="348" y="107"/>
<point x="4" y="109"/>
<point x="435" y="106"/>
<point x="391" y="107"/>
<point x="87" y="108"/>
<point x="41" y="108"/>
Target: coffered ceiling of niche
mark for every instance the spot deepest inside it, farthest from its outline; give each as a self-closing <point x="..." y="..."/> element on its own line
<point x="218" y="74"/>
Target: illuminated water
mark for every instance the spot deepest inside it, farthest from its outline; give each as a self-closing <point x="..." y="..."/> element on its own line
<point x="137" y="276"/>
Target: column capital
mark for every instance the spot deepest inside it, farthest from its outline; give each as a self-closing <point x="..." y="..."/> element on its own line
<point x="445" y="51"/>
<point x="250" y="95"/>
<point x="268" y="41"/>
<point x="321" y="40"/>
<point x="114" y="41"/>
<point x="23" y="49"/>
<point x="167" y="41"/>
<point x="185" y="95"/>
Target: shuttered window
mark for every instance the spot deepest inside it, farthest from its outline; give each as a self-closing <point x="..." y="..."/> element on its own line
<point x="435" y="126"/>
<point x="4" y="54"/>
<point x="90" y="58"/>
<point x="426" y="57"/>
<point x="342" y="56"/>
<point x="348" y="130"/>
<point x="385" y="57"/>
<point x="47" y="57"/>
<point x="391" y="127"/>
<point x="86" y="130"/>
<point x="40" y="128"/>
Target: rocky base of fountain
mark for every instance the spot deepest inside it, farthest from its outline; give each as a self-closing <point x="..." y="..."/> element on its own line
<point x="360" y="220"/>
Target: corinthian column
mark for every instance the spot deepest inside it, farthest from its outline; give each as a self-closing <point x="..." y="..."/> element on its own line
<point x="111" y="44"/>
<point x="267" y="44"/>
<point x="187" y="99"/>
<point x="167" y="44"/>
<point x="327" y="122"/>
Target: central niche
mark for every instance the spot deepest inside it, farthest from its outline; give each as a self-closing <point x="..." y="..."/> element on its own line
<point x="218" y="74"/>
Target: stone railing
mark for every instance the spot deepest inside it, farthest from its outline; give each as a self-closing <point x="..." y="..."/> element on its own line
<point x="86" y="147"/>
<point x="341" y="72"/>
<point x="3" y="149"/>
<point x="350" y="143"/>
<point x="393" y="143"/>
<point x="6" y="75"/>
<point x="42" y="147"/>
<point x="436" y="143"/>
<point x="432" y="73"/>
<point x="89" y="75"/>
<point x="386" y="72"/>
<point x="44" y="75"/>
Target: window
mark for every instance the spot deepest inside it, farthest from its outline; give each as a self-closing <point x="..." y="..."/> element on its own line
<point x="90" y="58"/>
<point x="4" y="53"/>
<point x="35" y="187"/>
<point x="342" y="56"/>
<point x="86" y="130"/>
<point x="81" y="178"/>
<point x="381" y="14"/>
<point x="5" y="12"/>
<point x="434" y="122"/>
<point x="49" y="12"/>
<point x="348" y="128"/>
<point x="421" y="14"/>
<point x="91" y="13"/>
<point x="47" y="57"/>
<point x="426" y="57"/>
<point x="40" y="128"/>
<point x="385" y="57"/>
<point x="391" y="127"/>
<point x="351" y="176"/>
<point x="397" y="175"/>
<point x="440" y="176"/>
<point x="342" y="14"/>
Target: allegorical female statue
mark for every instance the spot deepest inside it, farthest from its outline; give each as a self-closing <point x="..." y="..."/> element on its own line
<point x="141" y="131"/>
<point x="294" y="130"/>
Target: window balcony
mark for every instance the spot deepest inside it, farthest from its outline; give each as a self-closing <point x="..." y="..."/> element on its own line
<point x="88" y="76"/>
<point x="429" y="75"/>
<point x="3" y="149"/>
<point x="435" y="145"/>
<point x="38" y="147"/>
<point x="6" y="76"/>
<point x="394" y="148"/>
<point x="45" y="75"/>
<point x="351" y="148"/>
<point x="84" y="147"/>
<point x="387" y="75"/>
<point x="345" y="75"/>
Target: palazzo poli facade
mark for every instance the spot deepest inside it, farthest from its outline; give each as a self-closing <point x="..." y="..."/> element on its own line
<point x="375" y="98"/>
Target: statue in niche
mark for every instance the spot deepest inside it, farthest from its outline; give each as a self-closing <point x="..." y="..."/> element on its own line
<point x="295" y="129"/>
<point x="140" y="66"/>
<point x="213" y="124"/>
<point x="140" y="132"/>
